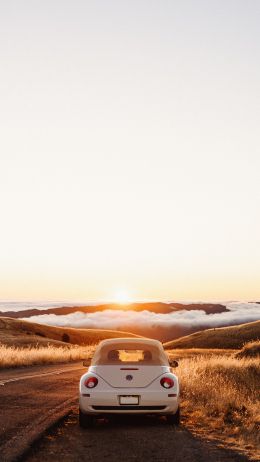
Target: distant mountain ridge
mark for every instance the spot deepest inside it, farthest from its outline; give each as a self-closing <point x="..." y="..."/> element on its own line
<point x="155" y="307"/>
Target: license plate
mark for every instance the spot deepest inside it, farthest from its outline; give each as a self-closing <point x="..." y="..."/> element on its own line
<point x="133" y="399"/>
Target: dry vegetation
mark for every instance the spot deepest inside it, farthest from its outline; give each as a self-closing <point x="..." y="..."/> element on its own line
<point x="222" y="337"/>
<point x="220" y="398"/>
<point x="11" y="356"/>
<point x="250" y="350"/>
<point x="24" y="343"/>
<point x="25" y="334"/>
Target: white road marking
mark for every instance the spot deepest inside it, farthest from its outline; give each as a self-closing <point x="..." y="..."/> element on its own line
<point x="25" y="377"/>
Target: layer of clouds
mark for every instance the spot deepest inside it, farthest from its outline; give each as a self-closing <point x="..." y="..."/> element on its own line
<point x="126" y="320"/>
<point x="14" y="305"/>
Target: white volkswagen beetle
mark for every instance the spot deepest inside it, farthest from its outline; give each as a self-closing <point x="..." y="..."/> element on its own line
<point x="129" y="376"/>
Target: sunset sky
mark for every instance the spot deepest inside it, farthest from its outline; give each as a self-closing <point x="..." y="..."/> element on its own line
<point x="129" y="149"/>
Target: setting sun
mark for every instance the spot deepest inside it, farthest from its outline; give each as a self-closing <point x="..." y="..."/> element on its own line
<point x="122" y="297"/>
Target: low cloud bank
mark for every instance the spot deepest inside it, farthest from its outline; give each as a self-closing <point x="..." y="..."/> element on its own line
<point x="167" y="325"/>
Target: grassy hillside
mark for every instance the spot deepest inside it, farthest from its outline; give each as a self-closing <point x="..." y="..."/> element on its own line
<point x="223" y="337"/>
<point x="24" y="333"/>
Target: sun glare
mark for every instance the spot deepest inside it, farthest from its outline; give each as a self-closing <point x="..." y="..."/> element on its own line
<point x="122" y="297"/>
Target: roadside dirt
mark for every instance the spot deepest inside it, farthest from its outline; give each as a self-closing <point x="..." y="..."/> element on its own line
<point x="129" y="438"/>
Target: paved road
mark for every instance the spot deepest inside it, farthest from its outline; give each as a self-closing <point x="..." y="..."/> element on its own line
<point x="132" y="439"/>
<point x="31" y="398"/>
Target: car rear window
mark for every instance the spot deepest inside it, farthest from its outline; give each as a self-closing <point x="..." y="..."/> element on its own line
<point x="113" y="355"/>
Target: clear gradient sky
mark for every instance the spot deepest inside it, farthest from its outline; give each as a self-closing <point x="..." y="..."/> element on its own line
<point x="129" y="149"/>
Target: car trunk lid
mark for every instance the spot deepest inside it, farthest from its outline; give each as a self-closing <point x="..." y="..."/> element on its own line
<point x="129" y="376"/>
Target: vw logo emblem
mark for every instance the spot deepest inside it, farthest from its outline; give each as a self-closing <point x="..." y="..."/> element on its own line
<point x="129" y="377"/>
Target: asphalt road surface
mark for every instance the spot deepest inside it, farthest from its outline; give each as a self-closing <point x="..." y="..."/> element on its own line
<point x="126" y="439"/>
<point x="31" y="399"/>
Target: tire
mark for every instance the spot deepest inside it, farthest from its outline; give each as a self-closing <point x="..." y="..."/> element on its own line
<point x="85" y="420"/>
<point x="174" y="419"/>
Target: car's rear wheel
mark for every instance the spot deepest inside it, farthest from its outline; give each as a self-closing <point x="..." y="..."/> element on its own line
<point x="85" y="420"/>
<point x="174" y="419"/>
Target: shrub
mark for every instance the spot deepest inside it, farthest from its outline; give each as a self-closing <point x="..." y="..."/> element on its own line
<point x="249" y="350"/>
<point x="65" y="338"/>
<point x="41" y="334"/>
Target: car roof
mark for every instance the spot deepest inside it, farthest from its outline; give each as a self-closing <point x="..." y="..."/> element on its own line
<point x="124" y="343"/>
<point x="138" y="340"/>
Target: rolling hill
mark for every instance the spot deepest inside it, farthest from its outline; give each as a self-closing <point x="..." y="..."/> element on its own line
<point x="23" y="334"/>
<point x="222" y="337"/>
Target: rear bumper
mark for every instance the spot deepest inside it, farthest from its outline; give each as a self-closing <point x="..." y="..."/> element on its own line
<point x="149" y="403"/>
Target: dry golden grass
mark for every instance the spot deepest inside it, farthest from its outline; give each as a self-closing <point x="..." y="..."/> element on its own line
<point x="24" y="343"/>
<point x="221" y="337"/>
<point x="24" y="333"/>
<point x="11" y="356"/>
<point x="250" y="350"/>
<point x="220" y="395"/>
<point x="180" y="353"/>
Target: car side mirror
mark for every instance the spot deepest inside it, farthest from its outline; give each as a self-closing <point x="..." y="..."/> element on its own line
<point x="87" y="362"/>
<point x="174" y="363"/>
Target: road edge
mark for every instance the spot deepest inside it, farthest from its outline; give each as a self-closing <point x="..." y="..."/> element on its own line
<point x="17" y="446"/>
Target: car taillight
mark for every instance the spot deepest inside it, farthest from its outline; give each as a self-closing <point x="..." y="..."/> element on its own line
<point x="91" y="382"/>
<point x="167" y="382"/>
